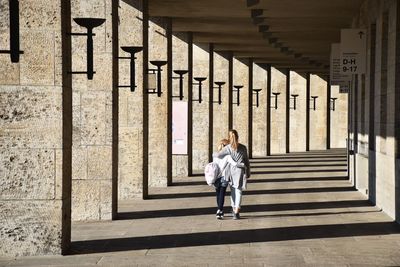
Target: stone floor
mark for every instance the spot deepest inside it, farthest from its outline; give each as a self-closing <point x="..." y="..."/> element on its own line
<point x="299" y="210"/>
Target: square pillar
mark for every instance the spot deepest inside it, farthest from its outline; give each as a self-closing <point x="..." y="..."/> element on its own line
<point x="36" y="132"/>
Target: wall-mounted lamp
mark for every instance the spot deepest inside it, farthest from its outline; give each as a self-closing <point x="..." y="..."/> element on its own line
<point x="89" y="24"/>
<point x="14" y="32"/>
<point x="157" y="71"/>
<point x="333" y="103"/>
<point x="132" y="50"/>
<point x="294" y="101"/>
<point x="237" y="89"/>
<point x="256" y="92"/>
<point x="199" y="81"/>
<point x="314" y="100"/>
<point x="180" y="74"/>
<point x="275" y="95"/>
<point x="219" y="87"/>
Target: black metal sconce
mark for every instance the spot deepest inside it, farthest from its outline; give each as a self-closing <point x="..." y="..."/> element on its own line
<point x="275" y="95"/>
<point x="89" y="24"/>
<point x="294" y="101"/>
<point x="256" y="92"/>
<point x="314" y="99"/>
<point x="14" y="32"/>
<point x="237" y="89"/>
<point x="158" y="70"/>
<point x="199" y="81"/>
<point x="132" y="50"/>
<point x="219" y="87"/>
<point x="180" y="77"/>
<point x="333" y="103"/>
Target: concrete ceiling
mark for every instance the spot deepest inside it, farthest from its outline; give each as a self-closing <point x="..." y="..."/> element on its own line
<point x="294" y="34"/>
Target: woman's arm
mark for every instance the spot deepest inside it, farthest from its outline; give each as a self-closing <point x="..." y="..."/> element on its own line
<point x="224" y="152"/>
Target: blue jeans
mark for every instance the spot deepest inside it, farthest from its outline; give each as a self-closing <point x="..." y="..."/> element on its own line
<point x="220" y="189"/>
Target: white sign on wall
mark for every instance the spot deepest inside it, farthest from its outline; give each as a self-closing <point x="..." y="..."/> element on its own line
<point x="353" y="48"/>
<point x="337" y="78"/>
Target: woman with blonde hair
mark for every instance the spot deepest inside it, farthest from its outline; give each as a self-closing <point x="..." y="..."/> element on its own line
<point x="221" y="183"/>
<point x="236" y="175"/>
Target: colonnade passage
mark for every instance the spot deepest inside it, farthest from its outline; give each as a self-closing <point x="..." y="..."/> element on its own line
<point x="110" y="110"/>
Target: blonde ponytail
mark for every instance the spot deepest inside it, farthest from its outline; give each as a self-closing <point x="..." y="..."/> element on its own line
<point x="233" y="137"/>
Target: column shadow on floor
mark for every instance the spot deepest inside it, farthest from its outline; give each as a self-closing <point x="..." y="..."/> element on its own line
<point x="272" y="180"/>
<point x="307" y="232"/>
<point x="245" y="208"/>
<point x="297" y="166"/>
<point x="257" y="192"/>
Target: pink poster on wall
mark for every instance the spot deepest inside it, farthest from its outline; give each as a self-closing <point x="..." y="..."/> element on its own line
<point x="179" y="127"/>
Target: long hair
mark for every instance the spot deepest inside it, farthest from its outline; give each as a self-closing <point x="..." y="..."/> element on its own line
<point x="233" y="137"/>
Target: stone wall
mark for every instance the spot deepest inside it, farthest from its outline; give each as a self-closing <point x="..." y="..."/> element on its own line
<point x="260" y="113"/>
<point x="339" y="119"/>
<point x="200" y="110"/>
<point x="92" y="117"/>
<point x="35" y="143"/>
<point x="158" y="115"/>
<point x="241" y="113"/>
<point x="180" y="62"/>
<point x="297" y="130"/>
<point x="278" y="125"/>
<point x="221" y="74"/>
<point x="318" y="116"/>
<point x="130" y="173"/>
<point x="383" y="52"/>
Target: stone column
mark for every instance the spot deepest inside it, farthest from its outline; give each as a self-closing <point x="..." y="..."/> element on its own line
<point x="240" y="114"/>
<point x="396" y="33"/>
<point x="298" y="86"/>
<point x="268" y="123"/>
<point x="287" y="115"/>
<point x="130" y="178"/>
<point x="92" y="161"/>
<point x="210" y="102"/>
<point x="308" y="95"/>
<point x="250" y="107"/>
<point x="339" y="119"/>
<point x="36" y="131"/>
<point x="201" y="116"/>
<point x="158" y="106"/>
<point x="230" y="89"/>
<point x="260" y="112"/>
<point x="318" y="116"/>
<point x="180" y="62"/>
<point x="278" y="124"/>
<point x="328" y="113"/>
<point x="221" y="112"/>
<point x="371" y="114"/>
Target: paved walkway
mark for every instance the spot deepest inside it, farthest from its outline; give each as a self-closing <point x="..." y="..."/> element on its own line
<point x="299" y="210"/>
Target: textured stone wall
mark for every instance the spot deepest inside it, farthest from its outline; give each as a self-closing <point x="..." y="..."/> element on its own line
<point x="34" y="206"/>
<point x="278" y="117"/>
<point x="381" y="181"/>
<point x="221" y="74"/>
<point x="200" y="110"/>
<point x="92" y="117"/>
<point x="318" y="116"/>
<point x="297" y="141"/>
<point x="260" y="113"/>
<point x="158" y="116"/>
<point x="339" y="119"/>
<point x="384" y="109"/>
<point x="130" y="171"/>
<point x="180" y="62"/>
<point x="241" y="113"/>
